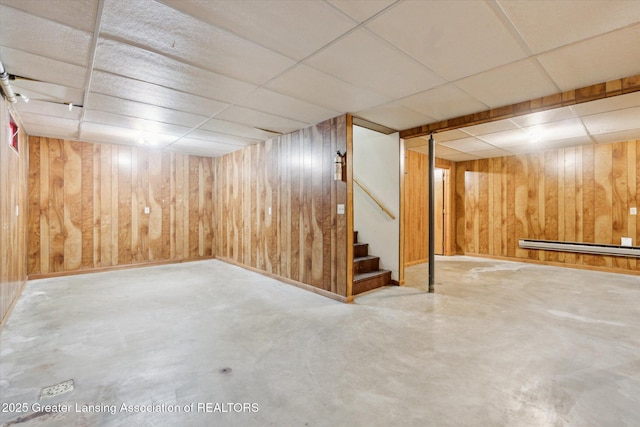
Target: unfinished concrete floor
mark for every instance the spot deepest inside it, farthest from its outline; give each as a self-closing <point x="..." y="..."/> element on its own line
<point x="499" y="344"/>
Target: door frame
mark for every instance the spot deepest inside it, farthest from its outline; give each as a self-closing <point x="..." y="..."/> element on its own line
<point x="449" y="207"/>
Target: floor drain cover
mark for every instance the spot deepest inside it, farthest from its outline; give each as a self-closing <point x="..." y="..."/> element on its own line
<point x="55" y="390"/>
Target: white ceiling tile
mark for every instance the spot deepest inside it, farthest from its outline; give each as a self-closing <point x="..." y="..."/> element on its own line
<point x="261" y="120"/>
<point x="453" y="38"/>
<point x="98" y="132"/>
<point x="130" y="108"/>
<point x="467" y="145"/>
<point x="272" y="23"/>
<point x="509" y="84"/>
<point x="443" y="102"/>
<point x="35" y="121"/>
<point x="146" y="66"/>
<point x="361" y="10"/>
<point x="547" y="24"/>
<point x="314" y="86"/>
<point x="461" y="157"/>
<point x="42" y="91"/>
<point x="448" y="135"/>
<point x="201" y="148"/>
<point x="395" y="116"/>
<point x="286" y="106"/>
<point x="79" y="14"/>
<point x="542" y="117"/>
<point x="365" y="60"/>
<point x="231" y="128"/>
<point x="563" y="129"/>
<point x="37" y="67"/>
<point x="442" y="150"/>
<point x="595" y="60"/>
<point x="625" y="135"/>
<point x="222" y="138"/>
<point x="39" y="36"/>
<point x="615" y="121"/>
<point x="507" y="138"/>
<point x="139" y="125"/>
<point x="491" y="127"/>
<point x="48" y="109"/>
<point x="50" y="131"/>
<point x="148" y="93"/>
<point x="620" y="102"/>
<point x="157" y="27"/>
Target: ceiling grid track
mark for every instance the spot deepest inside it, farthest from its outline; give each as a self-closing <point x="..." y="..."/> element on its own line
<point x="92" y="59"/>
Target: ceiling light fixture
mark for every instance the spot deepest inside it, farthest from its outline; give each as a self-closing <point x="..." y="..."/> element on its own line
<point x="535" y="135"/>
<point x="6" y="87"/>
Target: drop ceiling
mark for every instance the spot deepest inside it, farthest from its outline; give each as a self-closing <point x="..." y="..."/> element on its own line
<point x="212" y="76"/>
<point x="596" y="122"/>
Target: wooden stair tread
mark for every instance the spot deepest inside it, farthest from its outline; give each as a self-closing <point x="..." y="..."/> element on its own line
<point x="364" y="258"/>
<point x="366" y="273"/>
<point x="364" y="276"/>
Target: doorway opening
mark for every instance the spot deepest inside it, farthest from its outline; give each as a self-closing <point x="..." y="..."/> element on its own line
<point x="440" y="210"/>
<point x="416" y="208"/>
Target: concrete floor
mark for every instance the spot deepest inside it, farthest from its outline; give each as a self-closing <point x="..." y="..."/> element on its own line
<point x="499" y="344"/>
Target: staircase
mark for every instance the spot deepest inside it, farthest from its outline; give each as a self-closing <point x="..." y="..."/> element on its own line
<point x="366" y="269"/>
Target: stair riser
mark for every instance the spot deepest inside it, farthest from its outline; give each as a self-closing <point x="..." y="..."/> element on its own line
<point x="371" y="283"/>
<point x="366" y="266"/>
<point x="360" y="250"/>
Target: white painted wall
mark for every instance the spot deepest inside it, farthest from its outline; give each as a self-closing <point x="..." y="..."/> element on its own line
<point x="376" y="164"/>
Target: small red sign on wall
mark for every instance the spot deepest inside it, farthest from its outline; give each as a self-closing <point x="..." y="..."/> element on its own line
<point x="13" y="133"/>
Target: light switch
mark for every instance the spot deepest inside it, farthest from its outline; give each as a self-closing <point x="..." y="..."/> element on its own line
<point x="340" y="209"/>
<point x="17" y="210"/>
<point x="146" y="210"/>
<point x="269" y="210"/>
<point x="633" y="211"/>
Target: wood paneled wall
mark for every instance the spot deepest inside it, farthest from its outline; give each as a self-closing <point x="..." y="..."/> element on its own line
<point x="276" y="208"/>
<point x="87" y="206"/>
<point x="416" y="208"/>
<point x="580" y="194"/>
<point x="13" y="194"/>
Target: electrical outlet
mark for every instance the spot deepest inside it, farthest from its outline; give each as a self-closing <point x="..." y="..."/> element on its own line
<point x="626" y="241"/>
<point x="146" y="210"/>
<point x="269" y="210"/>
<point x="17" y="210"/>
<point x="340" y="209"/>
<point x="633" y="211"/>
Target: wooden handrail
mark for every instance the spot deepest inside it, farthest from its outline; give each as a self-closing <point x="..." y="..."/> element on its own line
<point x="387" y="211"/>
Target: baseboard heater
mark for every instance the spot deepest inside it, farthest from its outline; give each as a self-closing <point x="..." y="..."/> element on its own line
<point x="587" y="248"/>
